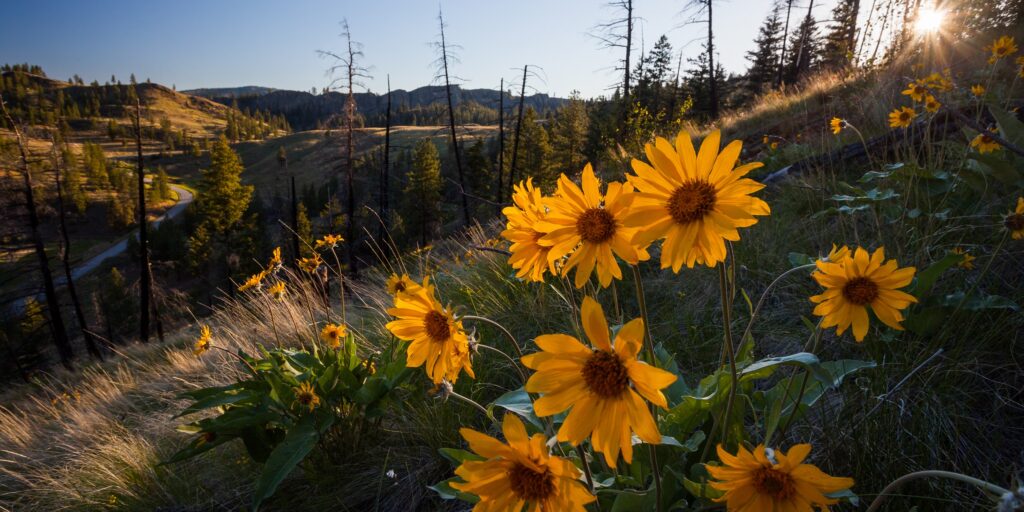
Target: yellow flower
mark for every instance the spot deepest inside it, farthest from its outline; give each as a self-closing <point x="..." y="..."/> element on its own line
<point x="967" y="261"/>
<point x="519" y="474"/>
<point x="328" y="241"/>
<point x="901" y="117"/>
<point x="203" y="343"/>
<point x="984" y="143"/>
<point x="254" y="281"/>
<point x="603" y="385"/>
<point x="399" y="284"/>
<point x="773" y="146"/>
<point x="529" y="257"/>
<point x="837" y="125"/>
<point x="1014" y="221"/>
<point x="277" y="290"/>
<point x="943" y="82"/>
<point x="695" y="201"/>
<point x="1002" y="47"/>
<point x="859" y="281"/>
<point x="764" y="140"/>
<point x="275" y="259"/>
<point x="332" y="334"/>
<point x="838" y="254"/>
<point x="438" y="340"/>
<point x="978" y="90"/>
<point x="931" y="104"/>
<point x="579" y="224"/>
<point x="310" y="265"/>
<point x="772" y="480"/>
<point x="916" y="90"/>
<point x="305" y="396"/>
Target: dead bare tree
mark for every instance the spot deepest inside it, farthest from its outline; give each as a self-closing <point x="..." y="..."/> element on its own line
<point x="60" y="336"/>
<point x="351" y="74"/>
<point x="442" y="64"/>
<point x="618" y="33"/>
<point x="785" y="37"/>
<point x="519" y="126"/>
<point x="385" y="171"/>
<point x="145" y="286"/>
<point x="501" y="140"/>
<point x="65" y="253"/>
<point x="700" y="7"/>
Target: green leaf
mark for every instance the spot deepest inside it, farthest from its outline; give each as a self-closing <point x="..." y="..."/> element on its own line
<point x="197" y="446"/>
<point x="457" y="456"/>
<point x="979" y="302"/>
<point x="227" y="397"/>
<point x="797" y="259"/>
<point x="765" y="367"/>
<point x="372" y="390"/>
<point x="926" y="278"/>
<point x="299" y="441"/>
<point x="1009" y="126"/>
<point x="701" y="490"/>
<point x="447" y="492"/>
<point x="519" y="402"/>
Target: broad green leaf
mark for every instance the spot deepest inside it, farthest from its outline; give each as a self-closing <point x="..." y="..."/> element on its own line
<point x="701" y="490"/>
<point x="225" y="398"/>
<point x="299" y="441"/>
<point x="765" y="367"/>
<point x="797" y="259"/>
<point x="979" y="302"/>
<point x="447" y="492"/>
<point x="457" y="456"/>
<point x="925" y="279"/>
<point x="197" y="446"/>
<point x="1009" y="126"/>
<point x="519" y="402"/>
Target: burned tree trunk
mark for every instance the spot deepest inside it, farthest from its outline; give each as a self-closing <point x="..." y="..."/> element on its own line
<point x="519" y="126"/>
<point x="65" y="250"/>
<point x="451" y="122"/>
<point x="60" y="336"/>
<point x="712" y="81"/>
<point x="144" y="282"/>
<point x="385" y="171"/>
<point x="501" y="141"/>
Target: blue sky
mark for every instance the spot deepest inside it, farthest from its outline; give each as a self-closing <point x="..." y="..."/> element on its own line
<point x="225" y="43"/>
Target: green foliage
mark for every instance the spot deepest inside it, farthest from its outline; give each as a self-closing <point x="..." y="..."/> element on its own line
<point x="264" y="412"/>
<point x="222" y="199"/>
<point x="421" y="198"/>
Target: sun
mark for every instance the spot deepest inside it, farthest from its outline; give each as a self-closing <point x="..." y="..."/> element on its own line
<point x="929" y="20"/>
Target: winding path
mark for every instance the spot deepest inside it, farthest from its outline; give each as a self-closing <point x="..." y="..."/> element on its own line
<point x="80" y="270"/>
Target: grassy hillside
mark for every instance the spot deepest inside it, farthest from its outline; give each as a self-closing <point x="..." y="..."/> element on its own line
<point x="943" y="392"/>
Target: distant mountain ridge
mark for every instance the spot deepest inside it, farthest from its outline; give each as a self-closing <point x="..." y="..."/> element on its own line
<point x="422" y="106"/>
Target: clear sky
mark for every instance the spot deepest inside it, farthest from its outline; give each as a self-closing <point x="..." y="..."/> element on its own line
<point x="228" y="43"/>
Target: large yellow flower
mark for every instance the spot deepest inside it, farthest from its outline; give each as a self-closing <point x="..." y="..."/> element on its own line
<point x="1002" y="47"/>
<point x="332" y="334"/>
<point x="695" y="201"/>
<point x="917" y="90"/>
<point x="306" y="396"/>
<point x="901" y="117"/>
<point x="254" y="281"/>
<point x="519" y="474"/>
<point x="529" y="257"/>
<point x="603" y="385"/>
<point x="578" y="223"/>
<point x="1014" y="220"/>
<point x="856" y="282"/>
<point x="773" y="481"/>
<point x="438" y="340"/>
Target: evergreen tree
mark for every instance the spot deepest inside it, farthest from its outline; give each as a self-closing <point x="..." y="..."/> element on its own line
<point x="222" y="199"/>
<point x="698" y="84"/>
<point x="653" y="73"/>
<point x="161" y="190"/>
<point x="569" y="132"/>
<point x="304" y="228"/>
<point x="842" y="35"/>
<point x="764" y="61"/>
<point x="478" y="170"/>
<point x="72" y="182"/>
<point x="422" y="195"/>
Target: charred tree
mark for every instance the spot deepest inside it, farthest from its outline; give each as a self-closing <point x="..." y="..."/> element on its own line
<point x="443" y="61"/>
<point x="519" y="126"/>
<point x="707" y="7"/>
<point x="618" y="33"/>
<point x="501" y="141"/>
<point x="65" y="252"/>
<point x="60" y="336"/>
<point x="385" y="172"/>
<point x="785" y="37"/>
<point x="145" y="286"/>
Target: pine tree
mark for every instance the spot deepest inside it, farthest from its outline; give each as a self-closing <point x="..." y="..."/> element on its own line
<point x="653" y="72"/>
<point x="161" y="190"/>
<point x="764" y="59"/>
<point x="569" y="134"/>
<point x="304" y="230"/>
<point x="805" y="46"/>
<point x="842" y="35"/>
<point x="222" y="199"/>
<point x="422" y="195"/>
<point x="536" y="152"/>
<point x="72" y="183"/>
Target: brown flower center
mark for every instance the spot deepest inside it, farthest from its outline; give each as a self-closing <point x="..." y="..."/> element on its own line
<point x="1014" y="222"/>
<point x="860" y="291"/>
<point x="530" y="485"/>
<point x="605" y="374"/>
<point x="304" y="397"/>
<point x="904" y="116"/>
<point x="596" y="225"/>
<point x="775" y="483"/>
<point x="919" y="89"/>
<point x="986" y="139"/>
<point x="400" y="286"/>
<point x="437" y="327"/>
<point x="691" y="202"/>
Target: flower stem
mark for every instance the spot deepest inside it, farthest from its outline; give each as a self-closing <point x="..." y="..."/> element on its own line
<point x="515" y="344"/>
<point x="764" y="296"/>
<point x="729" y="350"/>
<point x="586" y="467"/>
<point x="472" y="402"/>
<point x="896" y="484"/>
<point x="653" y="360"/>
